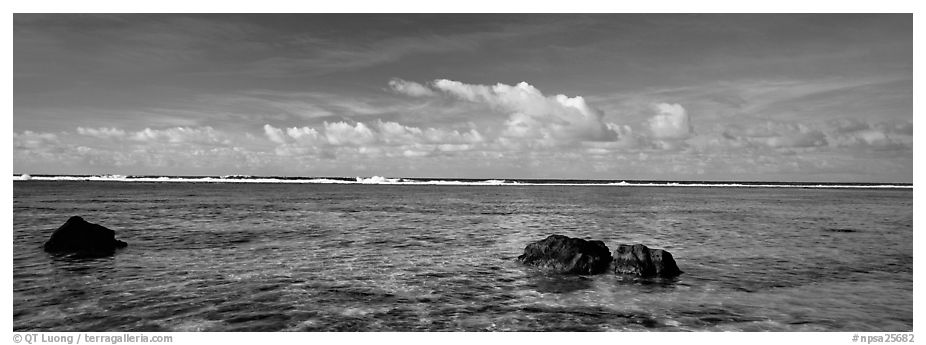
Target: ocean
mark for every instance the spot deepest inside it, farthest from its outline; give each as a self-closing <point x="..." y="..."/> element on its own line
<point x="368" y="256"/>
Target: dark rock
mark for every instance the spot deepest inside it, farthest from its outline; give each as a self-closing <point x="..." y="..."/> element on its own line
<point x="839" y="230"/>
<point x="639" y="260"/>
<point x="84" y="239"/>
<point x="567" y="255"/>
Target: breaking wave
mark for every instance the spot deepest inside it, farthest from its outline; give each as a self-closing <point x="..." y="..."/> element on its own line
<point x="462" y="182"/>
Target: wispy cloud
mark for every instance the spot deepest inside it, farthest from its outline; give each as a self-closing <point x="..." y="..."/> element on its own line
<point x="410" y="88"/>
<point x="35" y="142"/>
<point x="308" y="54"/>
<point x="607" y="95"/>
<point x="779" y="135"/>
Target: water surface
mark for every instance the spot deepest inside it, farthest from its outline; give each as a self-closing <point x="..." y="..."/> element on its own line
<point x="317" y="257"/>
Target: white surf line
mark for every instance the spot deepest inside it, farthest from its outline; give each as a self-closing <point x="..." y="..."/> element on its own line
<point x="438" y="182"/>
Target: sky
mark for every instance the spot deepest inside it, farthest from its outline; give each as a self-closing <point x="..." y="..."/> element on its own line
<point x="695" y="97"/>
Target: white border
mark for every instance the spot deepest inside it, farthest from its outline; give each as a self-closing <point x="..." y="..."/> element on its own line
<point x="477" y="6"/>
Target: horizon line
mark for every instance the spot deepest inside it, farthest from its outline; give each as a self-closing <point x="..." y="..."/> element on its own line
<point x="475" y="179"/>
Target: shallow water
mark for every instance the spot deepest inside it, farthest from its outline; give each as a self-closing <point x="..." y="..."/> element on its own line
<point x="272" y="257"/>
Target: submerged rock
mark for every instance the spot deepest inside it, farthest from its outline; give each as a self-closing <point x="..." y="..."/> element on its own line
<point x="84" y="239"/>
<point x="640" y="260"/>
<point x="568" y="255"/>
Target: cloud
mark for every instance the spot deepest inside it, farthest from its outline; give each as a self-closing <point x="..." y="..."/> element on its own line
<point x="856" y="133"/>
<point x="101" y="133"/>
<point x="295" y="141"/>
<point x="410" y="88"/>
<point x="304" y="134"/>
<point x="299" y="105"/>
<point x="30" y="146"/>
<point x="275" y="134"/>
<point x="393" y="132"/>
<point x="841" y="133"/>
<point x="778" y="135"/>
<point x="342" y="133"/>
<point x="370" y="138"/>
<point x="30" y="140"/>
<point x="670" y="123"/>
<point x="802" y="138"/>
<point x="532" y="115"/>
<point x="318" y="53"/>
<point x="173" y="135"/>
<point x="534" y="120"/>
<point x="178" y="135"/>
<point x="175" y="150"/>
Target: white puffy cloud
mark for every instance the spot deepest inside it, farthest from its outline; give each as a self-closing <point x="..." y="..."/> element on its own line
<point x="275" y="134"/>
<point x="359" y="134"/>
<point x="410" y="88"/>
<point x="102" y="133"/>
<point x="342" y="133"/>
<point x="534" y="116"/>
<point x="304" y="134"/>
<point x="294" y="140"/>
<point x="434" y="135"/>
<point x="534" y="120"/>
<point x="395" y="133"/>
<point x="670" y="123"/>
<point x="370" y="138"/>
<point x="180" y="135"/>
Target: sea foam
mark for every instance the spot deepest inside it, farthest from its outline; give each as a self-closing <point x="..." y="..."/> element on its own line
<point x="381" y="180"/>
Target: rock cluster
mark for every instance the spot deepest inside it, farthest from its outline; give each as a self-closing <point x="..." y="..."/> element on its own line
<point x="569" y="255"/>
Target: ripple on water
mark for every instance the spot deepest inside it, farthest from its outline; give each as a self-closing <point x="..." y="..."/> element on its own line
<point x="228" y="257"/>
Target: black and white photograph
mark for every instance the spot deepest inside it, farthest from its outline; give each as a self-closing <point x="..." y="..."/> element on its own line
<point x="461" y="172"/>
